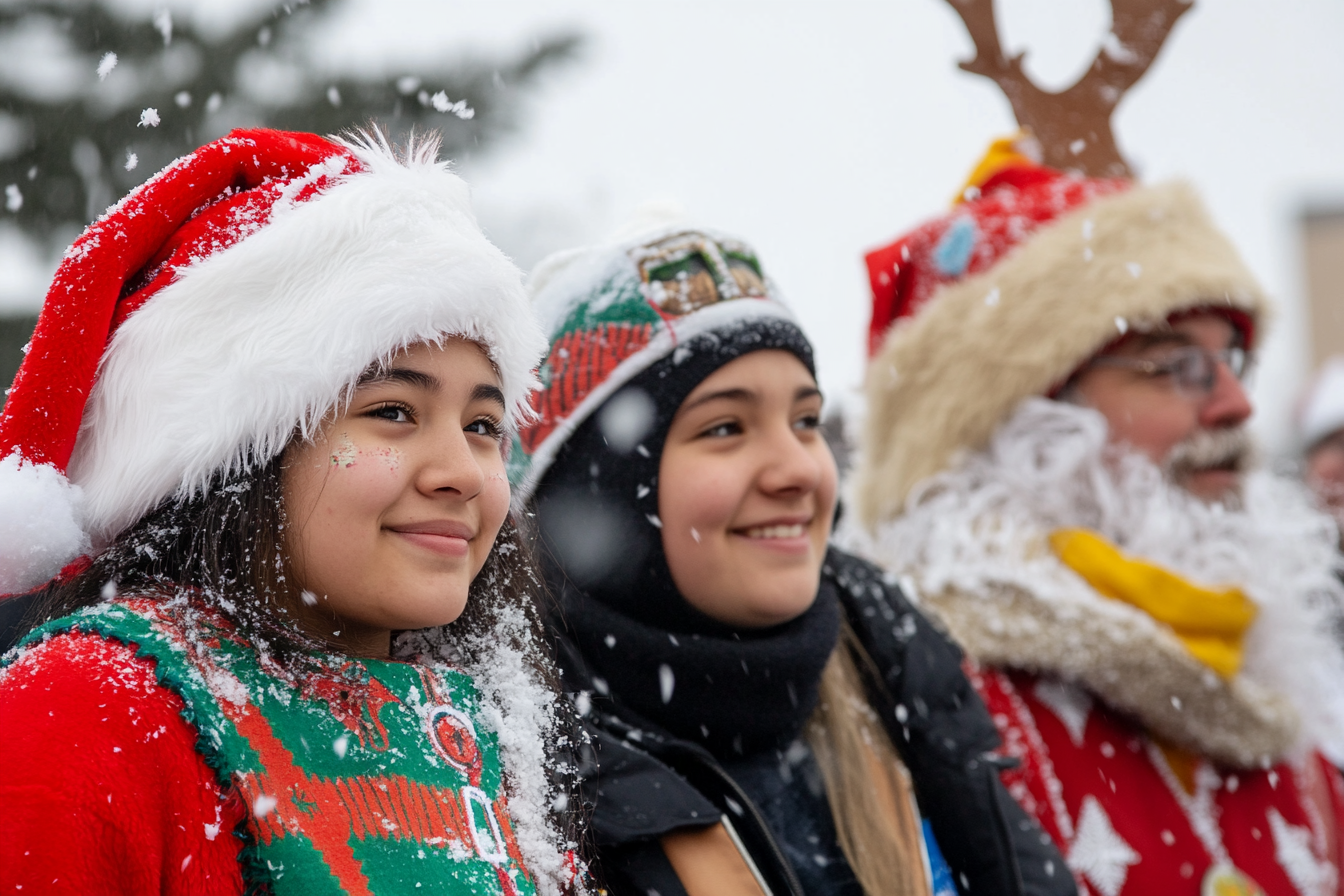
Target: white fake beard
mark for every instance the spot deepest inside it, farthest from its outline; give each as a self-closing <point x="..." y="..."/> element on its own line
<point x="1049" y="466"/>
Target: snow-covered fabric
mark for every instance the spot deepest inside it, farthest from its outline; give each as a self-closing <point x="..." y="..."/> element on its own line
<point x="104" y="790"/>
<point x="358" y="776"/>
<point x="613" y="310"/>
<point x="1007" y="295"/>
<point x="233" y="300"/>
<point x="974" y="542"/>
<point x="521" y="715"/>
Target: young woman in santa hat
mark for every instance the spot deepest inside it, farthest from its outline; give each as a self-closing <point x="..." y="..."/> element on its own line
<point x="764" y="710"/>
<point x="257" y="447"/>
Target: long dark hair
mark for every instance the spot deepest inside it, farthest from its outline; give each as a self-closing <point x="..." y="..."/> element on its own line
<point x="226" y="544"/>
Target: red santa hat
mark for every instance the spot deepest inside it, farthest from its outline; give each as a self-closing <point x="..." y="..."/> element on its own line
<point x="1031" y="274"/>
<point x="224" y="305"/>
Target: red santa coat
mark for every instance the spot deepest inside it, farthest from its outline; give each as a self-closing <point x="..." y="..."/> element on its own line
<point x="104" y="790"/>
<point x="1094" y="696"/>
<point x="1133" y="818"/>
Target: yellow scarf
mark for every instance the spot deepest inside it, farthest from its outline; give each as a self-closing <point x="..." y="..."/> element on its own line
<point x="1211" y="624"/>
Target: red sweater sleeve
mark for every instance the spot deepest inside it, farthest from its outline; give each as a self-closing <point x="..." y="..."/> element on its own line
<point x="101" y="787"/>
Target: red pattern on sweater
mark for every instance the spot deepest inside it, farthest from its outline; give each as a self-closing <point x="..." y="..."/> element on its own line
<point x="104" y="790"/>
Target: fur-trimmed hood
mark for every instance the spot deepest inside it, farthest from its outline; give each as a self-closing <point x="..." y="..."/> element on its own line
<point x="973" y="543"/>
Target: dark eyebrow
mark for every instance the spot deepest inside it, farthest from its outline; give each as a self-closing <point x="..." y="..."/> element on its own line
<point x="803" y="393"/>
<point x="418" y="378"/>
<point x="488" y="392"/>
<point x="723" y="395"/>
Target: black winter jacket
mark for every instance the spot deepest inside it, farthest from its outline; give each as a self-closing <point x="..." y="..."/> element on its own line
<point x="643" y="783"/>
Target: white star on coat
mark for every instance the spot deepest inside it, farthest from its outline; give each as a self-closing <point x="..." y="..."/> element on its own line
<point x="1070" y="704"/>
<point x="1292" y="848"/>
<point x="1098" y="852"/>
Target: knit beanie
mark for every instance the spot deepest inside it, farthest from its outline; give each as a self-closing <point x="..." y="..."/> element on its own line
<point x="635" y="325"/>
<point x="1031" y="274"/>
<point x="225" y="305"/>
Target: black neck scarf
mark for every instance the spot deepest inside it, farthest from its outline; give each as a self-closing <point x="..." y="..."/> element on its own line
<point x="735" y="691"/>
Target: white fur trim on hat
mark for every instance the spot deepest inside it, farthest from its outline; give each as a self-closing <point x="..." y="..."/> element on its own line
<point x="261" y="340"/>
<point x="946" y="379"/>
<point x="40" y="524"/>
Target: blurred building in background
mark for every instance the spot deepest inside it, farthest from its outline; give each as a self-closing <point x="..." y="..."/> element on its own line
<point x="1323" y="260"/>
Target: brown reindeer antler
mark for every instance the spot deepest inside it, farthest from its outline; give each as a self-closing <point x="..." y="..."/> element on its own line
<point x="1074" y="125"/>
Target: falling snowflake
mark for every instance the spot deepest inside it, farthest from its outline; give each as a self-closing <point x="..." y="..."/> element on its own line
<point x="460" y="108"/>
<point x="163" y="22"/>
<point x="149" y="118"/>
<point x="131" y="160"/>
<point x="666" y="682"/>
<point x="333" y="95"/>
<point x="106" y="64"/>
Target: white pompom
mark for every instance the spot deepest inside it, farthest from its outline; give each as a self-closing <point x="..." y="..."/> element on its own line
<point x="40" y="531"/>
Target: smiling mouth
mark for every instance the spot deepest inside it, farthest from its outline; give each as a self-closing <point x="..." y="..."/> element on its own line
<point x="797" y="530"/>
<point x="448" y="539"/>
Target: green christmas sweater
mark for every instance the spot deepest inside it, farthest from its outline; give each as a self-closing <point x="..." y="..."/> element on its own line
<point x="364" y="777"/>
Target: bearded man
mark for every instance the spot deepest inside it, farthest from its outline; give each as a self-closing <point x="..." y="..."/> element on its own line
<point x="1056" y="461"/>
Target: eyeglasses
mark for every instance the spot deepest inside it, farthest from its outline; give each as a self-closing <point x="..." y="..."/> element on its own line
<point x="1192" y="369"/>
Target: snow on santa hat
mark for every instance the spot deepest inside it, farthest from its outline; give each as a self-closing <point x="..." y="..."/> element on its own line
<point x="658" y="288"/>
<point x="227" y="303"/>
<point x="1321" y="412"/>
<point x="1030" y="275"/>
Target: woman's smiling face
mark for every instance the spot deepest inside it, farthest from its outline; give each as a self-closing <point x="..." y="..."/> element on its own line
<point x="394" y="507"/>
<point x="746" y="492"/>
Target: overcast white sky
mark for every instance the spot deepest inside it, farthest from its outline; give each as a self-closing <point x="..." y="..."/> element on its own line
<point x="818" y="130"/>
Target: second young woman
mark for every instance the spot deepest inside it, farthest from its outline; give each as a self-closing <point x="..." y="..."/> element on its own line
<point x="768" y="714"/>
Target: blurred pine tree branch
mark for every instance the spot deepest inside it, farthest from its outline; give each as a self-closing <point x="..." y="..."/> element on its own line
<point x="66" y="136"/>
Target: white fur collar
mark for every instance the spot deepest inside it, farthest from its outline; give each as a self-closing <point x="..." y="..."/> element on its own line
<point x="973" y="542"/>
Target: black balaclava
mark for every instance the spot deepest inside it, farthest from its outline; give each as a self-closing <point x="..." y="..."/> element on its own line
<point x="736" y="691"/>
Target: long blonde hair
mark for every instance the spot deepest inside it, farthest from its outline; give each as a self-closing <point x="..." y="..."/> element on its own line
<point x="867" y="785"/>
